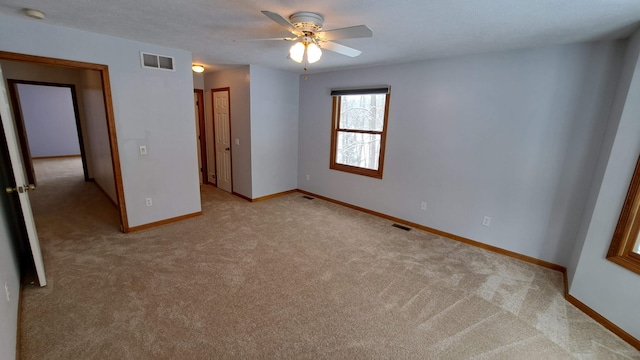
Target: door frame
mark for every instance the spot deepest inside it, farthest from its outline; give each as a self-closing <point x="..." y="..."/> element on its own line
<point x="108" y="104"/>
<point x="213" y="127"/>
<point x="204" y="172"/>
<point x="22" y="130"/>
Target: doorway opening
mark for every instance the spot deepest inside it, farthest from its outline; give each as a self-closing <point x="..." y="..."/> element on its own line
<point x="47" y="114"/>
<point x="201" y="138"/>
<point x="97" y="96"/>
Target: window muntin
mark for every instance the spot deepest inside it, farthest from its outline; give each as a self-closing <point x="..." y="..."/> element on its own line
<point x="359" y="125"/>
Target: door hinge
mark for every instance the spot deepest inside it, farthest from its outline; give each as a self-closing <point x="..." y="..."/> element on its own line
<point x="200" y="169"/>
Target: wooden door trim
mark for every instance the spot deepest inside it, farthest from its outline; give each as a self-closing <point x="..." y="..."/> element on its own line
<point x="204" y="173"/>
<point x="213" y="118"/>
<point x="108" y="104"/>
<point x="22" y="131"/>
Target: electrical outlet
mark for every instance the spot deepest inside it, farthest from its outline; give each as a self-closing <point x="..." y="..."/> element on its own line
<point x="307" y="177"/>
<point x="423" y="206"/>
<point x="143" y="150"/>
<point x="486" y="221"/>
<point x="6" y="290"/>
<point x="148" y="201"/>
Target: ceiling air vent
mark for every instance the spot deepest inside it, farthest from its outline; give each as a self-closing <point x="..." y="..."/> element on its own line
<point x="155" y="61"/>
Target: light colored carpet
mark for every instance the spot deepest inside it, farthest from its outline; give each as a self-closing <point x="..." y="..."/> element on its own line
<point x="284" y="278"/>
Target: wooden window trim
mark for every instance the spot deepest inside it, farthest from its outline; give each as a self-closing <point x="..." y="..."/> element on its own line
<point x="628" y="228"/>
<point x="335" y="129"/>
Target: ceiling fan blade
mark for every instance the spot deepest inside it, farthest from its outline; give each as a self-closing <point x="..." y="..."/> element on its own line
<point x="340" y="49"/>
<point x="283" y="22"/>
<point x="270" y="39"/>
<point x="360" y="31"/>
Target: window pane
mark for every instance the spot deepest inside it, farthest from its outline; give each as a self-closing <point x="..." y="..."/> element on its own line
<point x="362" y="112"/>
<point x="361" y="150"/>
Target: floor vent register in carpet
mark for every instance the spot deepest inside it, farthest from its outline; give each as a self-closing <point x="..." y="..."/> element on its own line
<point x="401" y="227"/>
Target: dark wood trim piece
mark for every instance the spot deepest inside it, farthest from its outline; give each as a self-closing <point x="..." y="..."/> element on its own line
<point x="204" y="172"/>
<point x="113" y="145"/>
<point x="108" y="102"/>
<point x="628" y="227"/>
<point x="21" y="131"/>
<point x="213" y="133"/>
<point x="241" y="196"/>
<point x="76" y="112"/>
<point x="604" y="321"/>
<point x="262" y="198"/>
<point x="49" y="61"/>
<point x="163" y="222"/>
<point x="334" y="133"/>
<point x="495" y="249"/>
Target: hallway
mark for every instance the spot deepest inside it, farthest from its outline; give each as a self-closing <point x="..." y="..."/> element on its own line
<point x="64" y="200"/>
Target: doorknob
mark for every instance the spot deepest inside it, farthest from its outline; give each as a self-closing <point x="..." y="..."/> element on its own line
<point x="20" y="189"/>
<point x="227" y="149"/>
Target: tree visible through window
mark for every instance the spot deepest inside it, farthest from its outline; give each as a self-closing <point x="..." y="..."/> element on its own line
<point x="359" y="130"/>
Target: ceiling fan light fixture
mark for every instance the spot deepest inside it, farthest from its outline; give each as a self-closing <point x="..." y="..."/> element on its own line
<point x="313" y="53"/>
<point x="197" y="68"/>
<point x="297" y="52"/>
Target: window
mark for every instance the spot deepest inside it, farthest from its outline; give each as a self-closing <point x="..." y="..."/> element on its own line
<point x="625" y="246"/>
<point x="359" y="130"/>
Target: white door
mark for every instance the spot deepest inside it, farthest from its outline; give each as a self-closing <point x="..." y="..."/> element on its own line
<point x="222" y="134"/>
<point x="22" y="188"/>
<point x="195" y="104"/>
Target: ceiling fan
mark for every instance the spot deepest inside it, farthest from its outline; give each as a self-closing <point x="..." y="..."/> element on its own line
<point x="310" y="39"/>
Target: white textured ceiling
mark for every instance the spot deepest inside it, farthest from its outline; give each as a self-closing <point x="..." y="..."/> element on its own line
<point x="403" y="30"/>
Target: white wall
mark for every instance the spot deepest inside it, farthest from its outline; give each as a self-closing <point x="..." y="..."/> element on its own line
<point x="510" y="135"/>
<point x="49" y="120"/>
<point x="97" y="139"/>
<point x="198" y="81"/>
<point x="274" y="131"/>
<point x="151" y="107"/>
<point x="606" y="287"/>
<point x="237" y="79"/>
<point x="9" y="273"/>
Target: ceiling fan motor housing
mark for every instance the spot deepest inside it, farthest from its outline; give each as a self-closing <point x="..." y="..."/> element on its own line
<point x="307" y="21"/>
